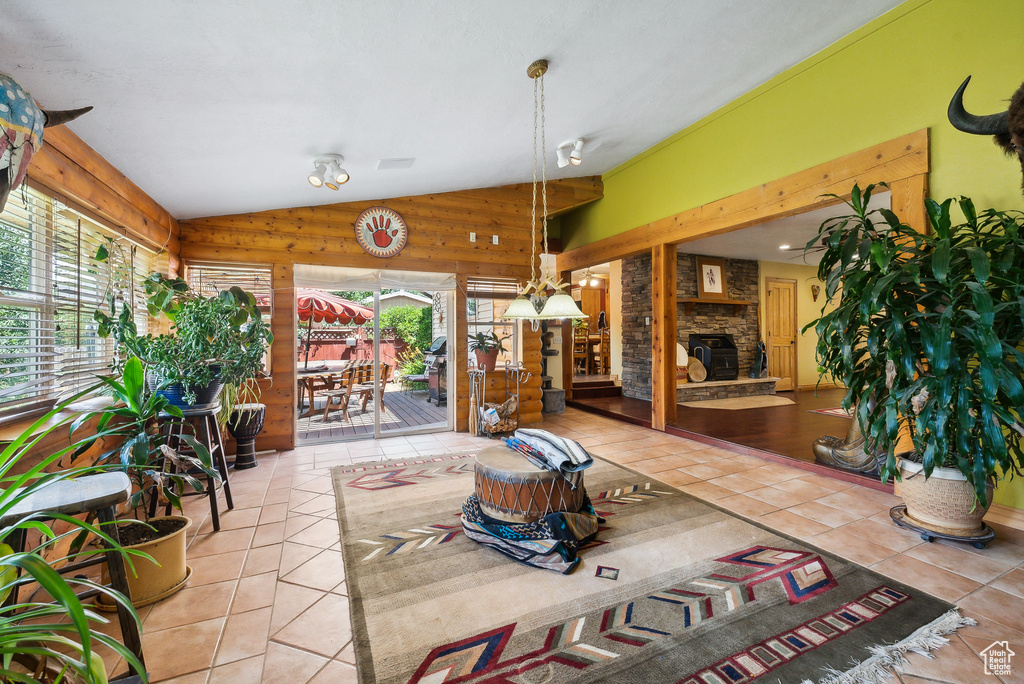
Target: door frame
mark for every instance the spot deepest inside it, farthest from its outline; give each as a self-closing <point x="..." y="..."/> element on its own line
<point x="902" y="162"/>
<point x="796" y="327"/>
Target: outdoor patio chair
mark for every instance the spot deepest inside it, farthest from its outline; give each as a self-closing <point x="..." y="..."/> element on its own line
<point x="366" y="389"/>
<point x="348" y="384"/>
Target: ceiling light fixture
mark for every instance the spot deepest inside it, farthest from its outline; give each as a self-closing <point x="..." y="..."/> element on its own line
<point x="570" y="153"/>
<point x="534" y="302"/>
<point x="589" y="277"/>
<point x="327" y="171"/>
<point x="576" y="156"/>
<point x="783" y="246"/>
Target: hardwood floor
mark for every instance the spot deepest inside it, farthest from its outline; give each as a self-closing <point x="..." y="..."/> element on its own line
<point x="773" y="432"/>
<point x="402" y="410"/>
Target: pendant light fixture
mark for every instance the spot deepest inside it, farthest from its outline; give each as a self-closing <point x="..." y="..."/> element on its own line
<point x="533" y="303"/>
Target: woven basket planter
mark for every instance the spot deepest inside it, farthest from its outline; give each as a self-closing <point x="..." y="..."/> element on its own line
<point x="944" y="502"/>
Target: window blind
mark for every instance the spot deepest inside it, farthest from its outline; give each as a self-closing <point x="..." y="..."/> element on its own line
<point x="483" y="287"/>
<point x="50" y="284"/>
<point x="210" y="278"/>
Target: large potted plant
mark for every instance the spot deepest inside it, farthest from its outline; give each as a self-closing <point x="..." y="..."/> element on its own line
<point x="486" y="346"/>
<point x="158" y="474"/>
<point x="215" y="348"/>
<point x="927" y="334"/>
<point x="44" y="640"/>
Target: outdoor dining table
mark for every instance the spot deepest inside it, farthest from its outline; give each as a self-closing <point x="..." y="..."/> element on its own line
<point x="306" y="379"/>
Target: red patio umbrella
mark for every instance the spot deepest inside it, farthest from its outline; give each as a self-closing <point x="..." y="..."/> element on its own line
<point x="324" y="307"/>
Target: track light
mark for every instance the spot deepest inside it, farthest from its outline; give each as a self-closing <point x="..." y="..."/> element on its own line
<point x="316" y="179"/>
<point x="576" y="156"/>
<point x="570" y="153"/>
<point x="563" y="156"/>
<point x="328" y="172"/>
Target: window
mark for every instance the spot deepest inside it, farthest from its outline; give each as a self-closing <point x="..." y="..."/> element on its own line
<point x="50" y="284"/>
<point x="487" y="320"/>
<point x="210" y="278"/>
<point x="486" y="300"/>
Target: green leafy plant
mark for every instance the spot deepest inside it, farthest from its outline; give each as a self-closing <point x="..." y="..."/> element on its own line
<point x="211" y="337"/>
<point x="64" y="632"/>
<point x="927" y="333"/>
<point x="141" y="450"/>
<point x="486" y="342"/>
<point x="403" y="320"/>
<point x="410" y="361"/>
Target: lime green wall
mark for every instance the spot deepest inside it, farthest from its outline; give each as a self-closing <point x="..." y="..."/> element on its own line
<point x="891" y="77"/>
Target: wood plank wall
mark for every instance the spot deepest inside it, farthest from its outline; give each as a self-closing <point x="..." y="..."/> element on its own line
<point x="439" y="227"/>
<point x="69" y="167"/>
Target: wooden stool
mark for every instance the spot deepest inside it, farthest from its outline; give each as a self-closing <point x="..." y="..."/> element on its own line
<point x="208" y="434"/>
<point x="100" y="493"/>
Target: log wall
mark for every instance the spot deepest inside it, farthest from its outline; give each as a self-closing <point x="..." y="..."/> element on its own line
<point x="70" y="168"/>
<point x="439" y="228"/>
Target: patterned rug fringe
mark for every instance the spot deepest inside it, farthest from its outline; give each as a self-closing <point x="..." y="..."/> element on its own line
<point x="879" y="668"/>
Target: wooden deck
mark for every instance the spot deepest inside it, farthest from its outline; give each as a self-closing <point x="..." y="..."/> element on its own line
<point x="402" y="410"/>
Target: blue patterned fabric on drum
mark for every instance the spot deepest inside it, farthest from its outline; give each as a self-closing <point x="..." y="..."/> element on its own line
<point x="551" y="543"/>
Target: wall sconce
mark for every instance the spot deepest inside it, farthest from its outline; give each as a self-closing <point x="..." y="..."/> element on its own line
<point x="570" y="153"/>
<point x="815" y="291"/>
<point x="327" y="172"/>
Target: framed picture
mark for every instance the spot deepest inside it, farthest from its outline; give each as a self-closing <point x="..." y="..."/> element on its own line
<point x="711" y="278"/>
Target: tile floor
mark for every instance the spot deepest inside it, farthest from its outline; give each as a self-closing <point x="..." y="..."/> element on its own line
<point x="267" y="599"/>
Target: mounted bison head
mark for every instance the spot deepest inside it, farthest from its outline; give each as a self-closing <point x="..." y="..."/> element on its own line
<point x="1007" y="127"/>
<point x="21" y="132"/>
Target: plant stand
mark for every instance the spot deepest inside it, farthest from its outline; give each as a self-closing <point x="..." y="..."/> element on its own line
<point x="101" y="493"/>
<point x="978" y="541"/>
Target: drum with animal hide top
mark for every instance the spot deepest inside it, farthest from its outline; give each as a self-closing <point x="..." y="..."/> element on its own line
<point x="512" y="489"/>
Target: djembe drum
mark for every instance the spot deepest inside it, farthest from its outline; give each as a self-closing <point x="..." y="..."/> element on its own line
<point x="245" y="425"/>
<point x="512" y="489"/>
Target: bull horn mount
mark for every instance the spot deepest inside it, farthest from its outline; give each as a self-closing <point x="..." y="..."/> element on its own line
<point x="62" y="116"/>
<point x="962" y="120"/>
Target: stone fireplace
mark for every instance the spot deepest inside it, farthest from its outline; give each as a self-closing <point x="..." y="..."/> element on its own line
<point x="717" y="319"/>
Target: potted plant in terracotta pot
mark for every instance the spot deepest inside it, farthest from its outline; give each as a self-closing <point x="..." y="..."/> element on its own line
<point x="927" y="336"/>
<point x="486" y="346"/>
<point x="138" y="448"/>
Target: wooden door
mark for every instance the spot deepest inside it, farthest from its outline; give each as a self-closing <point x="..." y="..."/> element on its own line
<point x="592" y="304"/>
<point x="780" y="329"/>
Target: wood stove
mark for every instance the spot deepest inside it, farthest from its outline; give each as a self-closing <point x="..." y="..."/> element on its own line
<point x="718" y="354"/>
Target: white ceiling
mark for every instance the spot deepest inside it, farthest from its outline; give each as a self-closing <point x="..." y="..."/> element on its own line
<point x="220" y="106"/>
<point x="763" y="241"/>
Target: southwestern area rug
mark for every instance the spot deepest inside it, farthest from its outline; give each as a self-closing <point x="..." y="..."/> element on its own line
<point x="674" y="590"/>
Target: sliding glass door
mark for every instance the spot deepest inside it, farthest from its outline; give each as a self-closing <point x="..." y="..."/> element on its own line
<point x="384" y="377"/>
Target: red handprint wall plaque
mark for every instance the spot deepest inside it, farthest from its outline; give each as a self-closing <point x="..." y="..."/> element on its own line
<point x="381" y="232"/>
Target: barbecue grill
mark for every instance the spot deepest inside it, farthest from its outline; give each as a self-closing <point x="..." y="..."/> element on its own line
<point x="436" y="369"/>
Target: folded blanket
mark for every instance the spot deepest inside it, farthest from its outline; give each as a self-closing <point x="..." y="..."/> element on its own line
<point x="564" y="455"/>
<point x="551" y="543"/>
